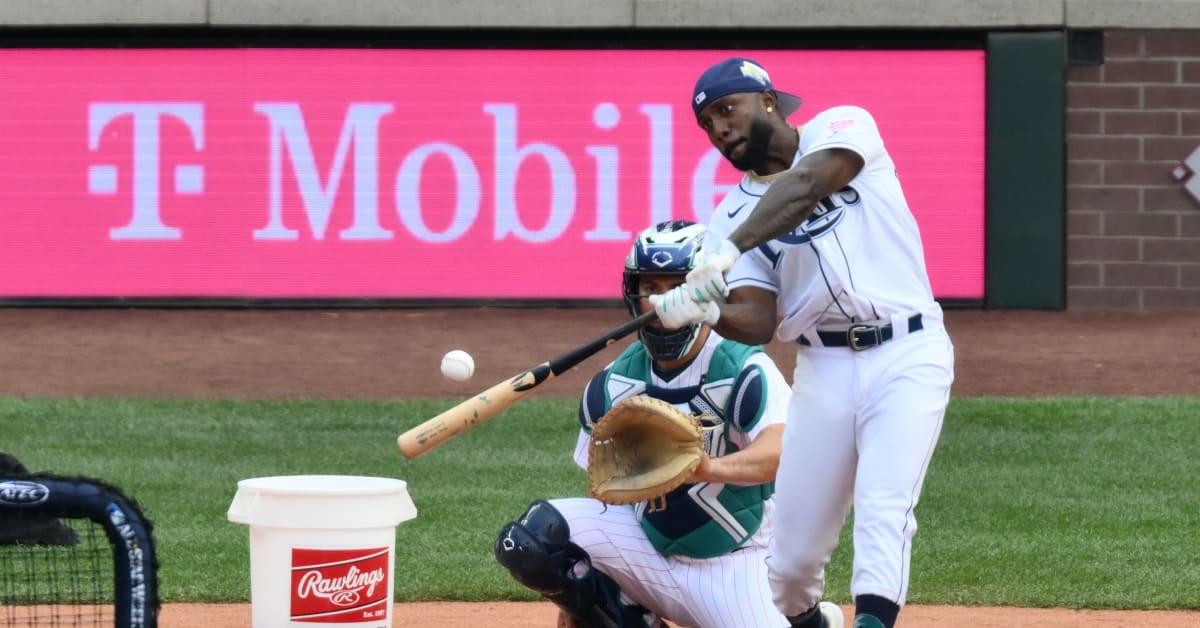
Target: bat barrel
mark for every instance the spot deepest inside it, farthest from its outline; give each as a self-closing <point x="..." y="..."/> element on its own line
<point x="485" y="405"/>
<point x="468" y="414"/>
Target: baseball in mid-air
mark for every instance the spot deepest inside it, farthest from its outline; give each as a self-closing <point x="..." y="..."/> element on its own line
<point x="458" y="365"/>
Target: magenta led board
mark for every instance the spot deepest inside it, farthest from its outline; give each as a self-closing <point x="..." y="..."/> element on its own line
<point x="419" y="174"/>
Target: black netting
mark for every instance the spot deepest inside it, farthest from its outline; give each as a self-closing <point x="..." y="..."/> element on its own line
<point x="74" y="552"/>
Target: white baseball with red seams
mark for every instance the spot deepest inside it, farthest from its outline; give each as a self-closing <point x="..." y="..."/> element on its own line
<point x="458" y="365"/>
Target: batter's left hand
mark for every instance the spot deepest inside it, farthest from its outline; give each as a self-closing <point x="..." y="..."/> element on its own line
<point x="706" y="282"/>
<point x="677" y="310"/>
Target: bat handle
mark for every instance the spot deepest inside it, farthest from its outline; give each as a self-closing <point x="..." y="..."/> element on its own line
<point x="560" y="364"/>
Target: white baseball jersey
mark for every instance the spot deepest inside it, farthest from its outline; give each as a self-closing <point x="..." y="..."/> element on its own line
<point x="858" y="257"/>
<point x="862" y="425"/>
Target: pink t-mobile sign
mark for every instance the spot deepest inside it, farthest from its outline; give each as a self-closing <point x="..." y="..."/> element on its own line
<point x="507" y="174"/>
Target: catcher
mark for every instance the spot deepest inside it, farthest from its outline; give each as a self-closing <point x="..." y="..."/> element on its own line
<point x="694" y="551"/>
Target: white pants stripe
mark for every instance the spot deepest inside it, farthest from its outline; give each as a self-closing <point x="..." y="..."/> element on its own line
<point x="729" y="591"/>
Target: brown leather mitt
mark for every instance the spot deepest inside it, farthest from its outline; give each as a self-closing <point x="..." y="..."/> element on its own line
<point x="642" y="449"/>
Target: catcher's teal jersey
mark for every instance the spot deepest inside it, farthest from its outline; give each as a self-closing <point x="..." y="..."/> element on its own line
<point x="733" y="387"/>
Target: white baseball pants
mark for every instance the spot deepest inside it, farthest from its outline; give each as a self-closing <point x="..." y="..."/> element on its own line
<point x="729" y="591"/>
<point x="862" y="427"/>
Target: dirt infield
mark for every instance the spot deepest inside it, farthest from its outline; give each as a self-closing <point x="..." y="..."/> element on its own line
<point x="392" y="353"/>
<point x="542" y="615"/>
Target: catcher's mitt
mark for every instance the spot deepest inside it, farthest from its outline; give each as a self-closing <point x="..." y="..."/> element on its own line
<point x="642" y="449"/>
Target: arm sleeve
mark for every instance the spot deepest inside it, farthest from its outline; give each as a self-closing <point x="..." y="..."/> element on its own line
<point x="592" y="406"/>
<point x="851" y="128"/>
<point x="594" y="402"/>
<point x="752" y="269"/>
<point x="581" y="449"/>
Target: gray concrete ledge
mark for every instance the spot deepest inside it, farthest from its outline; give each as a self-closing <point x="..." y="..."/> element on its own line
<point x="103" y="12"/>
<point x="849" y="13"/>
<point x="424" y="13"/>
<point x="585" y="14"/>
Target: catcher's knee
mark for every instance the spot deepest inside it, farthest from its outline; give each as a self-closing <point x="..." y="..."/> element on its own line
<point x="537" y="550"/>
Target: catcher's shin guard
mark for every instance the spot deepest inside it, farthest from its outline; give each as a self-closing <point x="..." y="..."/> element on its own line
<point x="537" y="550"/>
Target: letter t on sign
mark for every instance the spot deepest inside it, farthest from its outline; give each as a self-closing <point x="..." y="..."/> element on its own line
<point x="146" y="223"/>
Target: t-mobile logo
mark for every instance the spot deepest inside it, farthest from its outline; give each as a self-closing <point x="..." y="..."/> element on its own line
<point x="1187" y="172"/>
<point x="146" y="223"/>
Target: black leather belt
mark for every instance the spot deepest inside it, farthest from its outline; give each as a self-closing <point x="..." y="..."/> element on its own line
<point x="859" y="337"/>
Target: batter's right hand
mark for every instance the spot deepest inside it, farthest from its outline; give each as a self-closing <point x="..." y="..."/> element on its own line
<point x="676" y="309"/>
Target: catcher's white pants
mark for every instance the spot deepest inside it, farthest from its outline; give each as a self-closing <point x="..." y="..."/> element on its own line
<point x="729" y="591"/>
<point x="862" y="427"/>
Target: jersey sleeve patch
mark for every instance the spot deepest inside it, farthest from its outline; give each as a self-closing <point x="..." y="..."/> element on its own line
<point x="838" y="125"/>
<point x="847" y="127"/>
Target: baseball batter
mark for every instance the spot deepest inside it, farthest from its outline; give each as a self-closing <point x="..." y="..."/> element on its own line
<point x="701" y="560"/>
<point x="817" y="245"/>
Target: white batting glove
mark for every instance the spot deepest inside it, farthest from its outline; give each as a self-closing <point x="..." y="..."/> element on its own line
<point x="676" y="309"/>
<point x="706" y="282"/>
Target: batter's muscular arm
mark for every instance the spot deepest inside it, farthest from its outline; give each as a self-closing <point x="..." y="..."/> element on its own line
<point x="792" y="197"/>
<point x="755" y="464"/>
<point x="748" y="316"/>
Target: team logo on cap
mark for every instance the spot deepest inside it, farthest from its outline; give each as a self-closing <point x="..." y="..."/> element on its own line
<point x="753" y="71"/>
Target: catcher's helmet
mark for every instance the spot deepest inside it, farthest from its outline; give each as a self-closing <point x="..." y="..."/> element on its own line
<point x="668" y="248"/>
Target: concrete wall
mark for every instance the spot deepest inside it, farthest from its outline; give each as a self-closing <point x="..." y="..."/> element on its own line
<point x="608" y="13"/>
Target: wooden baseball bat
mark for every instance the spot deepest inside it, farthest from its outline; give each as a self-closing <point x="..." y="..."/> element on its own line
<point x="490" y="402"/>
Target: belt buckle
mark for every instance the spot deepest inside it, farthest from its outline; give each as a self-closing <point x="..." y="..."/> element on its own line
<point x="852" y="337"/>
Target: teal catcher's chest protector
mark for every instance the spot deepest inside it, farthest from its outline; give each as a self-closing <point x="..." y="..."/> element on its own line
<point x="702" y="520"/>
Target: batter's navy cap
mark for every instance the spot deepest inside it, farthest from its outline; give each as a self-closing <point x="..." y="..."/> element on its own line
<point x="736" y="75"/>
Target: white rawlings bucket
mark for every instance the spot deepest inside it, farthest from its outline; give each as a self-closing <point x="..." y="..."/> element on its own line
<point x="322" y="548"/>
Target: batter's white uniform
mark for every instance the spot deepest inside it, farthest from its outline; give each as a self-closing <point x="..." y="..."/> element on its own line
<point x="863" y="424"/>
<point x="730" y="590"/>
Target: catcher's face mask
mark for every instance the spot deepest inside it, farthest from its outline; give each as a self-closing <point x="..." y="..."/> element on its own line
<point x="669" y="248"/>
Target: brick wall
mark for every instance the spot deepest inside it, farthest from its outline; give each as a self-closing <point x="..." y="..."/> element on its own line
<point x="1133" y="230"/>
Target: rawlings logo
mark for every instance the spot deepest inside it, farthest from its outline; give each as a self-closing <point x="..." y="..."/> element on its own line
<point x="21" y="493"/>
<point x="341" y="591"/>
<point x="339" y="585"/>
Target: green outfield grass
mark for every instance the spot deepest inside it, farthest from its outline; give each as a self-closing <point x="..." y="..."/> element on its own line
<point x="1076" y="502"/>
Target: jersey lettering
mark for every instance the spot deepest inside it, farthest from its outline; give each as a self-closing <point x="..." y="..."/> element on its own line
<point x="824" y="217"/>
<point x="861" y="238"/>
